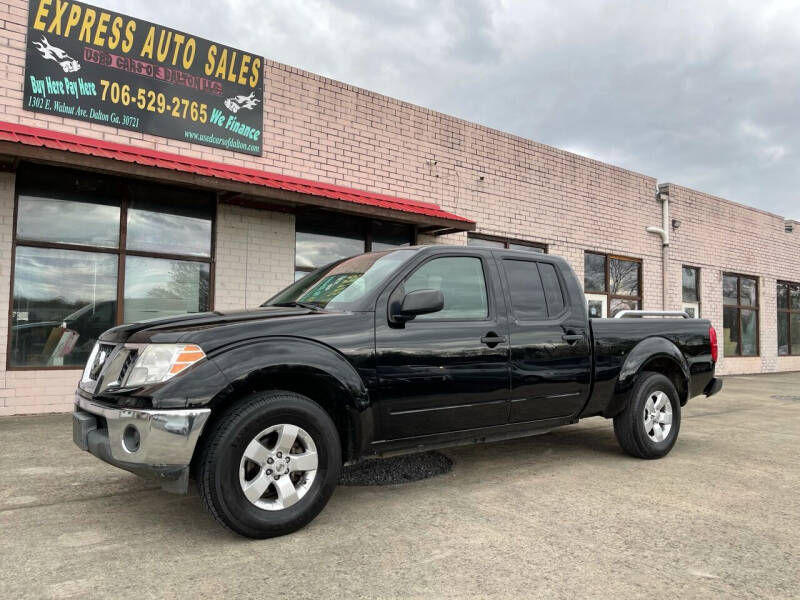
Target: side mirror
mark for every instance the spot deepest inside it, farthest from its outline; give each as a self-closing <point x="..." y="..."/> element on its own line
<point x="420" y="302"/>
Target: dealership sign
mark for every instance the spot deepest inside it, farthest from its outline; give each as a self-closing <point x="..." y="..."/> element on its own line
<point x="96" y="65"/>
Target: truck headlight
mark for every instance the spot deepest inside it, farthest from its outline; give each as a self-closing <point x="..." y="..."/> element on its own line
<point x="159" y="362"/>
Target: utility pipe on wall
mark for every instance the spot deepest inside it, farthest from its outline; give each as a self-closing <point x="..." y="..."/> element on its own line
<point x="663" y="231"/>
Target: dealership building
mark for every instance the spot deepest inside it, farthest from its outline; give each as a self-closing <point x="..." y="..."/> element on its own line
<point x="103" y="223"/>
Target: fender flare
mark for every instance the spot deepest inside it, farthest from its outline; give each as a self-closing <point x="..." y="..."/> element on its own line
<point x="258" y="364"/>
<point x="640" y="357"/>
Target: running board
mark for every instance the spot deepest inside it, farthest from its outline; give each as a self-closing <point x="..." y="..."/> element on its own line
<point x="466" y="437"/>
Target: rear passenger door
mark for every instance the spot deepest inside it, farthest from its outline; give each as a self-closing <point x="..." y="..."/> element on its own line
<point x="549" y="344"/>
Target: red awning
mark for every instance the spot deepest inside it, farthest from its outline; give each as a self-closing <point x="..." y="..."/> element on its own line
<point x="54" y="140"/>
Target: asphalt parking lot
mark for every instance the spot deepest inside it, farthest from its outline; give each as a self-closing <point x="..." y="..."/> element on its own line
<point x="562" y="515"/>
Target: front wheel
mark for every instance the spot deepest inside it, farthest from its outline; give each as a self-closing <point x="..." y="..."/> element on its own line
<point x="270" y="465"/>
<point x="649" y="425"/>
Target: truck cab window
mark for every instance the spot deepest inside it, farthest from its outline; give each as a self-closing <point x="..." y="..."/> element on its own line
<point x="552" y="289"/>
<point x="526" y="290"/>
<point x="462" y="283"/>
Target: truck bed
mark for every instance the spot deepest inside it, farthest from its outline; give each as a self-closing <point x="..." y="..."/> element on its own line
<point x="621" y="345"/>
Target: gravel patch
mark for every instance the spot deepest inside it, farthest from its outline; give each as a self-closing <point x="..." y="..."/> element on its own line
<point x="396" y="469"/>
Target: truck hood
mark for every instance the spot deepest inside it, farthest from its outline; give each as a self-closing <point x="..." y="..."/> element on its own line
<point x="183" y="328"/>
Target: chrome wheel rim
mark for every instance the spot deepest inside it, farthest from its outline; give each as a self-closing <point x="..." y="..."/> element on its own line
<point x="278" y="467"/>
<point x="657" y="416"/>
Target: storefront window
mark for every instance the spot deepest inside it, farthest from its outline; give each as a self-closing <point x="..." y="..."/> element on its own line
<point x="594" y="273"/>
<point x="690" y="290"/>
<point x="167" y="224"/>
<point x="612" y="283"/>
<point x="386" y="236"/>
<point x="623" y="277"/>
<point x="788" y="318"/>
<point x="490" y="241"/>
<point x="63" y="300"/>
<point x="322" y="238"/>
<point x="67" y="221"/>
<point x="161" y="287"/>
<point x="74" y="259"/>
<point x="740" y="315"/>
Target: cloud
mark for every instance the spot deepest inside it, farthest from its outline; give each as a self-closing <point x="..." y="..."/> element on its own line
<point x="701" y="94"/>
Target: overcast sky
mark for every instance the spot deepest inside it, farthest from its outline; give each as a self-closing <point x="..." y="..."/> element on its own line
<point x="703" y="94"/>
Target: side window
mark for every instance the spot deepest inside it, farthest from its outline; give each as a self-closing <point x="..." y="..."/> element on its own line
<point x="525" y="288"/>
<point x="461" y="281"/>
<point x="552" y="289"/>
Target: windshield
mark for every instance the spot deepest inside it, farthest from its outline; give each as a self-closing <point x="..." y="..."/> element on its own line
<point x="339" y="285"/>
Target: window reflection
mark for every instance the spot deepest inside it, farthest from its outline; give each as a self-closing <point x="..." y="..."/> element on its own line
<point x="730" y="289"/>
<point x="748" y="292"/>
<point x="730" y="331"/>
<point x="386" y="236"/>
<point x="783" y="333"/>
<point x="160" y="287"/>
<point x="749" y="332"/>
<point x="169" y="220"/>
<point x="525" y="289"/>
<point x="690" y="276"/>
<point x="53" y="324"/>
<point x="166" y="233"/>
<point x="461" y="281"/>
<point x="318" y="249"/>
<point x="322" y="238"/>
<point x="526" y="248"/>
<point x="795" y="327"/>
<point x="594" y="273"/>
<point x="67" y="222"/>
<point x="623" y="277"/>
<point x="484" y="243"/>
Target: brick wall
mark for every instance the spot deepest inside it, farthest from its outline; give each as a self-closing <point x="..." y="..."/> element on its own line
<point x="720" y="236"/>
<point x="254" y="255"/>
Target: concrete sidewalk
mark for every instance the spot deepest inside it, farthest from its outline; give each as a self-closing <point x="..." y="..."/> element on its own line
<point x="563" y="515"/>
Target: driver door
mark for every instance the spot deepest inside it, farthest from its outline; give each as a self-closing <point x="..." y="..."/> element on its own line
<point x="449" y="370"/>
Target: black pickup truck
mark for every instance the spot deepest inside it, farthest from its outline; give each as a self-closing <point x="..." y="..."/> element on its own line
<point x="381" y="353"/>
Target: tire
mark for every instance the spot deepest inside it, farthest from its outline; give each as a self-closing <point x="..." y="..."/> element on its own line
<point x="242" y="452"/>
<point x="645" y="436"/>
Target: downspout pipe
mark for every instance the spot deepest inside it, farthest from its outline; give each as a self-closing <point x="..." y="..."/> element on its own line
<point x="663" y="231"/>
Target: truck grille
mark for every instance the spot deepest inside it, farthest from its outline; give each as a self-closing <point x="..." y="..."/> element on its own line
<point x="103" y="353"/>
<point x="129" y="360"/>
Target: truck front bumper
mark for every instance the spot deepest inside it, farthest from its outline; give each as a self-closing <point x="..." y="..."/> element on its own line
<point x="151" y="443"/>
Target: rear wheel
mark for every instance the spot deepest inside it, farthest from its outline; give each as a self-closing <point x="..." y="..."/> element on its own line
<point x="649" y="425"/>
<point x="270" y="465"/>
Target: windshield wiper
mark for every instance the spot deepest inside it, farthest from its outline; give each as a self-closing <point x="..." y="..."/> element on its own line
<point x="307" y="305"/>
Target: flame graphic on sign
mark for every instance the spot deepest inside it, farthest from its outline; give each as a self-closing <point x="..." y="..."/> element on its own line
<point x="50" y="52"/>
<point x="238" y="102"/>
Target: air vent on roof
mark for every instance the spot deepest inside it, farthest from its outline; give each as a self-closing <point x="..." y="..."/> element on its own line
<point x="789" y="227"/>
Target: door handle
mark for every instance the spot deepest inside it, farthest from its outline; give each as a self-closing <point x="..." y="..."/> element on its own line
<point x="491" y="339"/>
<point x="572" y="337"/>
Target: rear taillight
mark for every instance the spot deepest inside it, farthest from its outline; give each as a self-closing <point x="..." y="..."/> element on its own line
<point x="712" y="335"/>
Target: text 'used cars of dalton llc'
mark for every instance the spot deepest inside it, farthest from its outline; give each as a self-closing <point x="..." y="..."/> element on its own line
<point x="97" y="65"/>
